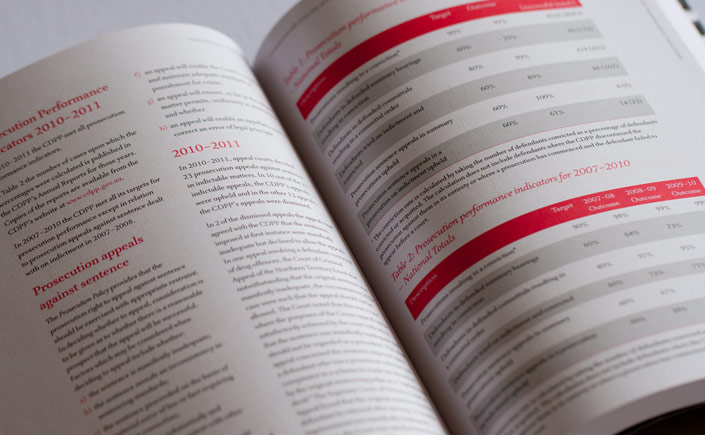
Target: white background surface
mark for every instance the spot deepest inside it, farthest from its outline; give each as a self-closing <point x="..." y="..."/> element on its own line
<point x="33" y="29"/>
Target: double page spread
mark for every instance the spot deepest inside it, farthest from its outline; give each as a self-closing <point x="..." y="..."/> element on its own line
<point x="407" y="217"/>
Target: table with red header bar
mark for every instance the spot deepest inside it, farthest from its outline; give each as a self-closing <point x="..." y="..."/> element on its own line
<point x="615" y="201"/>
<point x="406" y="31"/>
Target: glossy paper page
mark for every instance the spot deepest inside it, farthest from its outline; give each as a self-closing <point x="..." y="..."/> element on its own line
<point x="521" y="182"/>
<point x="167" y="265"/>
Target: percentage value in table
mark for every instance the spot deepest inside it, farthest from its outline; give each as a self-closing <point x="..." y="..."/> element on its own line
<point x="604" y="265"/>
<point x="631" y="102"/>
<point x="637" y="320"/>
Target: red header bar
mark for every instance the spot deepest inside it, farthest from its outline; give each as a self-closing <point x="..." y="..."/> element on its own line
<point x="390" y="38"/>
<point x="525" y="225"/>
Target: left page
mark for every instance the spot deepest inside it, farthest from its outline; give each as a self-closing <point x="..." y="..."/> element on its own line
<point x="167" y="266"/>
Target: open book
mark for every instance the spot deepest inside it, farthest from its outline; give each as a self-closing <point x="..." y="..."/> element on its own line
<point x="412" y="217"/>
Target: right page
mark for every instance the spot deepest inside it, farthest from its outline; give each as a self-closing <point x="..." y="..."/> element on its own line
<point x="521" y="182"/>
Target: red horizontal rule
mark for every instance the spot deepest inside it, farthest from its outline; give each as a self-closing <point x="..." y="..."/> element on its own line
<point x="390" y="38"/>
<point x="525" y="225"/>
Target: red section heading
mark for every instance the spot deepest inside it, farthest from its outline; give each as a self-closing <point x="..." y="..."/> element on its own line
<point x="525" y="225"/>
<point x="390" y="38"/>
